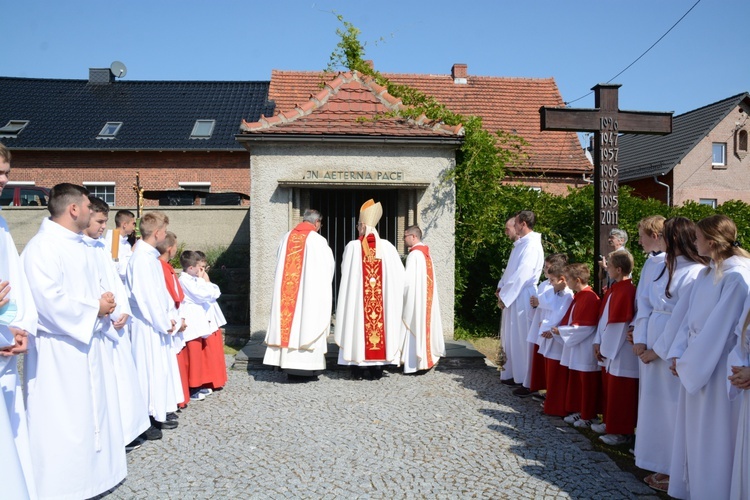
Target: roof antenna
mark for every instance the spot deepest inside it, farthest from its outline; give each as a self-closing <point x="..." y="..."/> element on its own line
<point x="118" y="69"/>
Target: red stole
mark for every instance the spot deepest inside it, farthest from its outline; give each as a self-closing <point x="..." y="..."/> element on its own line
<point x="430" y="290"/>
<point x="621" y="302"/>
<point x="372" y="296"/>
<point x="585" y="307"/>
<point x="293" y="260"/>
<point x="173" y="284"/>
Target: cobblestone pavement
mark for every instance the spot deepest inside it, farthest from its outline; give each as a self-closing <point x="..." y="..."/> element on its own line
<point x="444" y="434"/>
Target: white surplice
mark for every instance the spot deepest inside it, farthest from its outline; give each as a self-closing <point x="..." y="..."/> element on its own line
<point x="740" y="356"/>
<point x="74" y="427"/>
<point x="414" y="354"/>
<point x="659" y="389"/>
<point x="15" y="452"/>
<point x="125" y="251"/>
<point x="194" y="307"/>
<point x="518" y="285"/>
<point x="706" y="422"/>
<point x="133" y="409"/>
<point x="551" y="309"/>
<point x="153" y="348"/>
<point x="350" y="327"/>
<point x="311" y="322"/>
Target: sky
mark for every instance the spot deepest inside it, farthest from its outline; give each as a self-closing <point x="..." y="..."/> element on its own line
<point x="578" y="43"/>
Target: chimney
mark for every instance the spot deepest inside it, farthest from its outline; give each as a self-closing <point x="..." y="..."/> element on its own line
<point x="459" y="74"/>
<point x="100" y="76"/>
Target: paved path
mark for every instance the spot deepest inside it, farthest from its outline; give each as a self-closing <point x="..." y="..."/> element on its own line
<point x="445" y="434"/>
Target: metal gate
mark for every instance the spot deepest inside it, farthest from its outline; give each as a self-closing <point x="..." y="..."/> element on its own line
<point x="340" y="211"/>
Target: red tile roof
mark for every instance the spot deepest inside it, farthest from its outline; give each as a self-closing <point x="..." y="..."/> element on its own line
<point x="508" y="104"/>
<point x="339" y="108"/>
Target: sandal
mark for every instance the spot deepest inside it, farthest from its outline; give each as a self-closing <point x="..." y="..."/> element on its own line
<point x="657" y="484"/>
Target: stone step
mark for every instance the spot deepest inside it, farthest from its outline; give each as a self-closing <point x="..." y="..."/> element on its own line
<point x="459" y="354"/>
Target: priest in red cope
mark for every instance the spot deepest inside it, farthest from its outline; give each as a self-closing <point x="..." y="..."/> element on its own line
<point x="422" y="328"/>
<point x="301" y="304"/>
<point x="370" y="301"/>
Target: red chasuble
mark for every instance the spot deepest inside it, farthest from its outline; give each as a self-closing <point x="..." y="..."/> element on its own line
<point x="293" y="260"/>
<point x="372" y="296"/>
<point x="430" y="292"/>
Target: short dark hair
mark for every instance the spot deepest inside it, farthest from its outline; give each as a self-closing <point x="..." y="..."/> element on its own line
<point x="98" y="205"/>
<point x="528" y="217"/>
<point x="557" y="263"/>
<point x="578" y="271"/>
<point x="63" y="195"/>
<point x="415" y="231"/>
<point x="190" y="258"/>
<point x="169" y="240"/>
<point x="121" y="216"/>
<point x="621" y="259"/>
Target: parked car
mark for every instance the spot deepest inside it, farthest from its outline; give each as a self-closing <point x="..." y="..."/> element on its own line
<point x="24" y="196"/>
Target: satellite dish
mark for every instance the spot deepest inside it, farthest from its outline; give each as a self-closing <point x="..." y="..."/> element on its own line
<point x="118" y="69"/>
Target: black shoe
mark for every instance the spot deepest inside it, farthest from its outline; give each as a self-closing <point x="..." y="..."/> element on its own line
<point x="169" y="424"/>
<point x="522" y="392"/>
<point x="151" y="434"/>
<point x="377" y="372"/>
<point x="172" y="416"/>
<point x="509" y="381"/>
<point x="134" y="445"/>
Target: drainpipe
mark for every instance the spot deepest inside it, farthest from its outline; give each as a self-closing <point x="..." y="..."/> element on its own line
<point x="587" y="181"/>
<point x="656" y="180"/>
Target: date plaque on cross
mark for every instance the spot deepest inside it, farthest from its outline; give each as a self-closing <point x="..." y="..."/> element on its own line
<point x="607" y="122"/>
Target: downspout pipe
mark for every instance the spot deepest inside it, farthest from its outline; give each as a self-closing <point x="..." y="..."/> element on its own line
<point x="669" y="199"/>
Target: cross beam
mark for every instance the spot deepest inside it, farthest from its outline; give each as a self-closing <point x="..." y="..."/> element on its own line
<point x="607" y="122"/>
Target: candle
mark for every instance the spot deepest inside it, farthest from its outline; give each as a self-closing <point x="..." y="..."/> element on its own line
<point x="115" y="244"/>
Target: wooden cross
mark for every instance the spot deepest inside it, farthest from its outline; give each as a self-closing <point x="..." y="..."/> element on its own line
<point x="607" y="122"/>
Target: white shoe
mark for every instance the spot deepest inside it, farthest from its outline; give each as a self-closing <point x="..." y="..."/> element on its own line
<point x="582" y="424"/>
<point x="599" y="428"/>
<point x="613" y="439"/>
<point x="572" y="418"/>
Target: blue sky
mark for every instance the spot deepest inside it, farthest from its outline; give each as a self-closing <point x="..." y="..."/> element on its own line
<point x="579" y="43"/>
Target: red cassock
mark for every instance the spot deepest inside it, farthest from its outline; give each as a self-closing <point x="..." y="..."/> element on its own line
<point x="621" y="393"/>
<point x="215" y="366"/>
<point x="538" y="371"/>
<point x="175" y="291"/>
<point x="564" y="389"/>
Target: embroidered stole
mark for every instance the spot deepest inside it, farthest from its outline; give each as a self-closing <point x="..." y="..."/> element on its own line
<point x="430" y="291"/>
<point x="372" y="295"/>
<point x="290" y="281"/>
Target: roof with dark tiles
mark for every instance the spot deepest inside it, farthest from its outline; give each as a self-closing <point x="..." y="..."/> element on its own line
<point x="351" y="104"/>
<point x="644" y="156"/>
<point x="508" y="104"/>
<point x="156" y="115"/>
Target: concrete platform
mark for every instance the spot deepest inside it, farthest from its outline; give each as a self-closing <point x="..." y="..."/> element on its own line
<point x="460" y="354"/>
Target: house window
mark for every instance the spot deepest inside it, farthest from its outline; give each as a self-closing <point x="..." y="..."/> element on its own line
<point x="197" y="189"/>
<point x="203" y="129"/>
<point x="13" y="128"/>
<point x="103" y="190"/>
<point x="711" y="202"/>
<point x="740" y="144"/>
<point x="110" y="130"/>
<point x="719" y="157"/>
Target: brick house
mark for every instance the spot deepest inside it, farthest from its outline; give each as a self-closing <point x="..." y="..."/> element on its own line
<point x="179" y="135"/>
<point x="705" y="158"/>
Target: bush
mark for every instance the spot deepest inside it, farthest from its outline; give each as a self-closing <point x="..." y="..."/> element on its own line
<point x="566" y="225"/>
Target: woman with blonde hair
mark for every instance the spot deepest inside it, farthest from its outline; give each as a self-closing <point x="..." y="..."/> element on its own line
<point x="704" y="440"/>
<point x="654" y="332"/>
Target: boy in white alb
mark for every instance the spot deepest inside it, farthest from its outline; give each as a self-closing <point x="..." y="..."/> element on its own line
<point x="121" y="247"/>
<point x="199" y="293"/>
